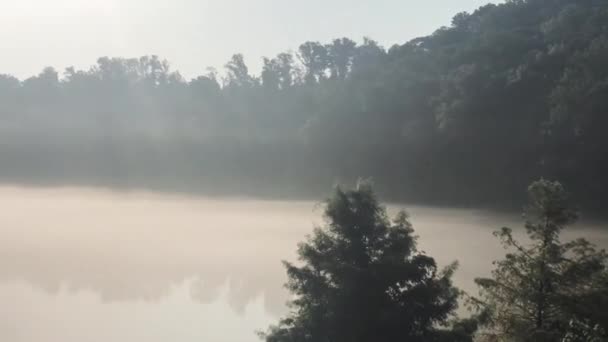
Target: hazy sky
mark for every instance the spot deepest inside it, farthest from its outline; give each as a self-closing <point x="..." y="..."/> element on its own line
<point x="194" y="34"/>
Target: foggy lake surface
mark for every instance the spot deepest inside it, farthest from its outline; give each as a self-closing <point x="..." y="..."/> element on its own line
<point x="94" y="265"/>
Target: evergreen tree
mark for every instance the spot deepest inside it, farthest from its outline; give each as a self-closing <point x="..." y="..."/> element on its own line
<point x="361" y="278"/>
<point x="533" y="292"/>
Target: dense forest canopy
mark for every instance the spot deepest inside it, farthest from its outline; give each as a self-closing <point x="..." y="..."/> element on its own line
<point x="503" y="95"/>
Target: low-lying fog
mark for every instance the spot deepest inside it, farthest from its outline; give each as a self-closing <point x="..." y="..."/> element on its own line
<point x="93" y="265"/>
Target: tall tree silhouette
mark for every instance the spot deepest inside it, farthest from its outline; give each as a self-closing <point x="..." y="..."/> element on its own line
<point x="534" y="292"/>
<point x="361" y="278"/>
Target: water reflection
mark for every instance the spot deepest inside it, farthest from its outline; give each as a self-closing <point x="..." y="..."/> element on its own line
<point x="29" y="314"/>
<point x="78" y="264"/>
<point x="127" y="246"/>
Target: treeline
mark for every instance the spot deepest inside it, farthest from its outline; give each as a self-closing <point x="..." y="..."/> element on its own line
<point x="360" y="277"/>
<point x="502" y="96"/>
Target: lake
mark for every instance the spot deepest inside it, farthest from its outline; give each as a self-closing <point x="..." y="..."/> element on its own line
<point x="95" y="265"/>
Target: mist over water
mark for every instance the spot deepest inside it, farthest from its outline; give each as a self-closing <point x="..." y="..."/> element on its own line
<point x="159" y="160"/>
<point x="87" y="264"/>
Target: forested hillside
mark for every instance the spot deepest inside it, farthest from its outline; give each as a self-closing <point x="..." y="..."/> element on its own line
<point x="468" y="115"/>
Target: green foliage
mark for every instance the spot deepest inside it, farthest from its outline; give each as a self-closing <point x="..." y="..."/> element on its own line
<point x="505" y="94"/>
<point x="361" y="278"/>
<point x="583" y="332"/>
<point x="535" y="292"/>
<point x="238" y="72"/>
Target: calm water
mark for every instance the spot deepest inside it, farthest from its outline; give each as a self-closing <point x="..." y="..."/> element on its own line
<point x="89" y="265"/>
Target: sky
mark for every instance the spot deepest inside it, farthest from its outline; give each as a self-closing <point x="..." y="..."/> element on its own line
<point x="195" y="34"/>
